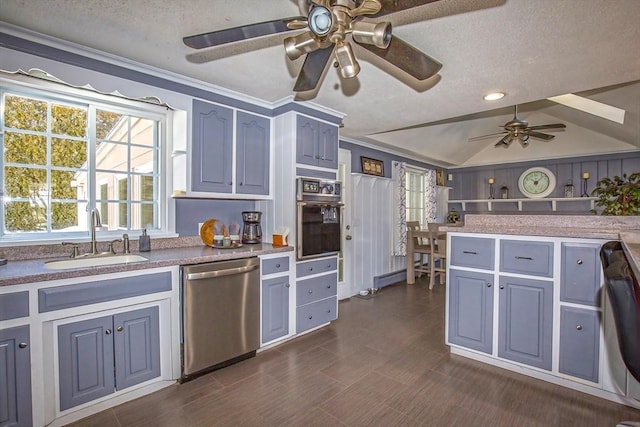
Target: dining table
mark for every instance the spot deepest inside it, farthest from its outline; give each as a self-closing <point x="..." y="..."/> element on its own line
<point x="440" y="239"/>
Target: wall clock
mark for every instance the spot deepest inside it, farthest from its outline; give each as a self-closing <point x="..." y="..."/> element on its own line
<point x="537" y="182"/>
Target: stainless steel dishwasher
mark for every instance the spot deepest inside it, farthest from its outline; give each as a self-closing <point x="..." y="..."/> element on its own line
<point x="220" y="314"/>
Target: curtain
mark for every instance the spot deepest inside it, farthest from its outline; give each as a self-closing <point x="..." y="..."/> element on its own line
<point x="430" y="196"/>
<point x="398" y="175"/>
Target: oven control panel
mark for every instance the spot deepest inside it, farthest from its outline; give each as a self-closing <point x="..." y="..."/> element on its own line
<point x="314" y="188"/>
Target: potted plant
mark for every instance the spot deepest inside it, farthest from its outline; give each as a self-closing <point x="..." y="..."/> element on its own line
<point x="619" y="196"/>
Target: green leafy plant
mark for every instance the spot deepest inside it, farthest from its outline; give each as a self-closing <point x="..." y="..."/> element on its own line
<point x="619" y="196"/>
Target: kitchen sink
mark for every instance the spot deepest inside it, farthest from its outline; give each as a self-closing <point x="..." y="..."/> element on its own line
<point x="63" y="264"/>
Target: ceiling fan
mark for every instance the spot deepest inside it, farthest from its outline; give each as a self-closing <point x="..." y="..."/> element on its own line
<point x="330" y="25"/>
<point x="519" y="130"/>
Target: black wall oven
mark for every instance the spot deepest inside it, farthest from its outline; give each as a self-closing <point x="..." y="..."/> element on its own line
<point x="319" y="214"/>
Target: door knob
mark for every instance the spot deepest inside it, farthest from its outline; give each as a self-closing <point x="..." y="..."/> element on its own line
<point x="348" y="237"/>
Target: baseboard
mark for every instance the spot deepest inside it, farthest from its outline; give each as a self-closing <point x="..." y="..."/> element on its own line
<point x="389" y="278"/>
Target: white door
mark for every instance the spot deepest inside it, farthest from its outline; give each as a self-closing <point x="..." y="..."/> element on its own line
<point x="345" y="258"/>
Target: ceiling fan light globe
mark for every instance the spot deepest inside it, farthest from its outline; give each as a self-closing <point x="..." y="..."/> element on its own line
<point x="378" y="34"/>
<point x="349" y="67"/>
<point x="297" y="46"/>
<point x="320" y="20"/>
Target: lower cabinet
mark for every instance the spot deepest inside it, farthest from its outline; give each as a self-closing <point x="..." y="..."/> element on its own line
<point x="525" y="325"/>
<point x="316" y="297"/>
<point x="100" y="356"/>
<point x="15" y="377"/>
<point x="471" y="309"/>
<point x="275" y="308"/>
<point x="580" y="342"/>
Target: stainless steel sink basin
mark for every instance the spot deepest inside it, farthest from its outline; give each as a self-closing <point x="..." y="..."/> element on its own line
<point x="63" y="264"/>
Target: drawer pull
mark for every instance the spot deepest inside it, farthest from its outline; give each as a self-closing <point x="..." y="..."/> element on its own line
<point x="524" y="257"/>
<point x="310" y="317"/>
<point x="23" y="345"/>
<point x="119" y="329"/>
<point x="470" y="252"/>
<point x="579" y="262"/>
<point x="277" y="265"/>
<point x="488" y="285"/>
<point x="501" y="286"/>
<point x="329" y="311"/>
<point x="328" y="286"/>
<point x="288" y="285"/>
<point x="579" y="327"/>
<point x="108" y="332"/>
<point x="310" y="291"/>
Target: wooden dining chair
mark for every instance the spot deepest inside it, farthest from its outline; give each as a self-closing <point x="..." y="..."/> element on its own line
<point x="438" y="249"/>
<point x="421" y="247"/>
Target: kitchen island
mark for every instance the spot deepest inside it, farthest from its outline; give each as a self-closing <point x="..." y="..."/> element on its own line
<point x="524" y="292"/>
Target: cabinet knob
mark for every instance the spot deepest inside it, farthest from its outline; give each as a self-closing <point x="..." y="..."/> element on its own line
<point x="328" y="286"/>
<point x="310" y="291"/>
<point x="119" y="329"/>
<point x="277" y="265"/>
<point x="310" y="317"/>
<point x="488" y="285"/>
<point x="310" y="268"/>
<point x="328" y="311"/>
<point x="501" y="286"/>
<point x="579" y="327"/>
<point x="108" y="332"/>
<point x="23" y="345"/>
<point x="579" y="262"/>
<point x="288" y="285"/>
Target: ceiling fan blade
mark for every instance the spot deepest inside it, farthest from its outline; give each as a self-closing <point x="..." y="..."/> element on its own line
<point x="391" y="6"/>
<point x="476" y="138"/>
<point x="505" y="141"/>
<point x="551" y="126"/>
<point x="245" y="32"/>
<point x="539" y="135"/>
<point x="407" y="58"/>
<point x="313" y="69"/>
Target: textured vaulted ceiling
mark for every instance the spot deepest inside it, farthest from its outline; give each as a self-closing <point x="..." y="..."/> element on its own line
<point x="530" y="49"/>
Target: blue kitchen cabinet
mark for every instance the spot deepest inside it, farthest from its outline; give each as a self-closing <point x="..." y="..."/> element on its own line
<point x="211" y="148"/>
<point x="581" y="272"/>
<point x="471" y="310"/>
<point x="580" y="342"/>
<point x="275" y="308"/>
<point x="316" y="143"/>
<point x="525" y="322"/>
<point x="253" y="136"/>
<point x="15" y="377"/>
<point x="99" y="356"/>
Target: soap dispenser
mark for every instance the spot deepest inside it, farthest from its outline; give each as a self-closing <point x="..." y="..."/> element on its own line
<point x="145" y="242"/>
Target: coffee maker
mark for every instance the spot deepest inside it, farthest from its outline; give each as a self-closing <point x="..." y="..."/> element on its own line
<point x="251" y="230"/>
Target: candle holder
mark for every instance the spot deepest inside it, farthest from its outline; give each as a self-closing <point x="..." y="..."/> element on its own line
<point x="585" y="181"/>
<point x="491" y="182"/>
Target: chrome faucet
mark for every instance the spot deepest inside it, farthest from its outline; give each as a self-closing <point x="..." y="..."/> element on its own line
<point x="95" y="223"/>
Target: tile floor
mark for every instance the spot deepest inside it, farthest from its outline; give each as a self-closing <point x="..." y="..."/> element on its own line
<point x="382" y="363"/>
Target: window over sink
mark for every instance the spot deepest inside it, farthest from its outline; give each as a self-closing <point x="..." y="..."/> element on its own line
<point x="67" y="151"/>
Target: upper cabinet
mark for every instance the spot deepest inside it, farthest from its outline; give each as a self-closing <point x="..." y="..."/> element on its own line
<point x="221" y="135"/>
<point x="316" y="143"/>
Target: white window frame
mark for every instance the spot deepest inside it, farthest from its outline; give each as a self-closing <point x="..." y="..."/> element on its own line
<point x="51" y="91"/>
<point x="411" y="170"/>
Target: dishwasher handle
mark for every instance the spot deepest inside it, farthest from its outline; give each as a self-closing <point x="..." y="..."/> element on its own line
<point x="221" y="273"/>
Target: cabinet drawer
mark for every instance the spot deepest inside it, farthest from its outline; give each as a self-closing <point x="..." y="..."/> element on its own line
<point x="316" y="288"/>
<point x="14" y="305"/>
<point x="275" y="265"/>
<point x="61" y="297"/>
<point x="581" y="274"/>
<point x="315" y="267"/>
<point x="311" y="315"/>
<point x="579" y="343"/>
<point x="474" y="252"/>
<point x="525" y="257"/>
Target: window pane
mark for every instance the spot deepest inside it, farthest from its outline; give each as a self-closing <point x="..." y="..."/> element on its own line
<point x="141" y="159"/>
<point x="112" y="157"/>
<point x="68" y="153"/>
<point x="105" y="122"/>
<point x="64" y="216"/>
<point x="24" y="216"/>
<point x="67" y="120"/>
<point x="122" y="207"/>
<point x="102" y="203"/>
<point x="25" y="113"/>
<point x="25" y="183"/>
<point x="142" y="131"/>
<point x="64" y="185"/>
<point x="142" y="216"/>
<point x="25" y="149"/>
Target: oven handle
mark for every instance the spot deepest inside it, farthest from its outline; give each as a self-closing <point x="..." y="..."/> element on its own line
<point x="221" y="273"/>
<point x="320" y="203"/>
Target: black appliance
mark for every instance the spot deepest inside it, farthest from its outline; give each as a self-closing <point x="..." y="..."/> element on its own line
<point x="251" y="229"/>
<point x="319" y="216"/>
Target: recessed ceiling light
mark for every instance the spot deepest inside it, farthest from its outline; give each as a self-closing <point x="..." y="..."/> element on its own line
<point x="493" y="96"/>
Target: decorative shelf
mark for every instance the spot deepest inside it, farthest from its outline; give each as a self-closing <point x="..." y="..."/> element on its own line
<point x="553" y="200"/>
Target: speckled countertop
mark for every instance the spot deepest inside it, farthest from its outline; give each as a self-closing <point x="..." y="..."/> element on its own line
<point x="164" y="252"/>
<point x="579" y="226"/>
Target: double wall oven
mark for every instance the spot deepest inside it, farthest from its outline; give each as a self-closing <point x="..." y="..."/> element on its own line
<point x="319" y="214"/>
